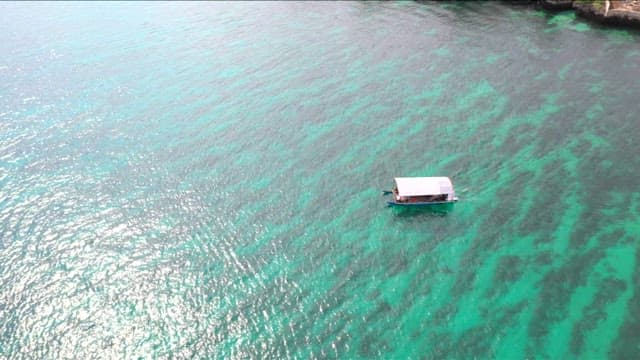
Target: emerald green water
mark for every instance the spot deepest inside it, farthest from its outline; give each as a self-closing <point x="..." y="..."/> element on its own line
<point x="202" y="180"/>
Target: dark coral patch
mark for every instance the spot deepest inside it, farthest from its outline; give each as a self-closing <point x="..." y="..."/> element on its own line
<point x="557" y="288"/>
<point x="509" y="269"/>
<point x="610" y="289"/>
<point x="626" y="345"/>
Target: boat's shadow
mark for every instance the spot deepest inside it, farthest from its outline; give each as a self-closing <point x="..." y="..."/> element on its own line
<point x="432" y="210"/>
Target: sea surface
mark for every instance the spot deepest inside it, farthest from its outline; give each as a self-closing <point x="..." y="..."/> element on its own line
<point x="203" y="180"/>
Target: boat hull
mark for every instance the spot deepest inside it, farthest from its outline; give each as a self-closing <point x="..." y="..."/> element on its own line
<point x="419" y="204"/>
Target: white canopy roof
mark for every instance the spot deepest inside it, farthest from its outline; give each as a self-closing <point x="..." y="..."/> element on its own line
<point x="420" y="186"/>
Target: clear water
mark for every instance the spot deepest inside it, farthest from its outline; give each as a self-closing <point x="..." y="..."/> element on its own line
<point x="203" y="180"/>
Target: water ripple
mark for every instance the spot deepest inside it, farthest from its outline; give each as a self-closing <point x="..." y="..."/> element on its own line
<point x="203" y="180"/>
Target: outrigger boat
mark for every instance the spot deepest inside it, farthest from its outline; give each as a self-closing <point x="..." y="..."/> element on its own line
<point x="421" y="191"/>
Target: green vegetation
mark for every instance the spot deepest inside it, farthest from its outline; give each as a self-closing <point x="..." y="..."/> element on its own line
<point x="597" y="4"/>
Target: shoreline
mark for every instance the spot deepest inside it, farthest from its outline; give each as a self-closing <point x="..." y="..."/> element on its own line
<point x="607" y="12"/>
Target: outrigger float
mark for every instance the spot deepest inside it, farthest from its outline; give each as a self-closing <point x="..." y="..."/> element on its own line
<point x="422" y="191"/>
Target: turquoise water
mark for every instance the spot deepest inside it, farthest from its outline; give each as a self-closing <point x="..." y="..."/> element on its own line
<point x="202" y="180"/>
